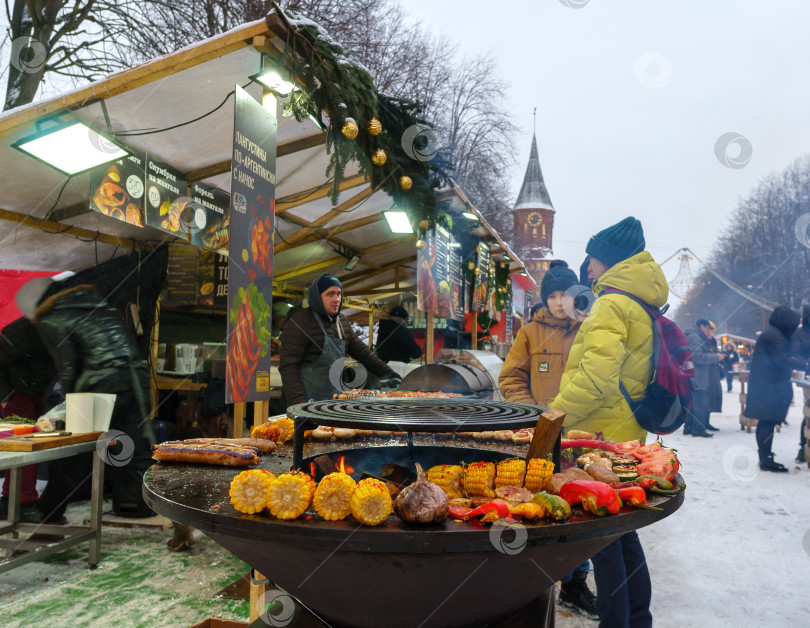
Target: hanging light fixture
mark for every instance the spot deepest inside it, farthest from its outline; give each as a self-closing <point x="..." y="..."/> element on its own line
<point x="71" y="147"/>
<point x="270" y="76"/>
<point x="398" y="221"/>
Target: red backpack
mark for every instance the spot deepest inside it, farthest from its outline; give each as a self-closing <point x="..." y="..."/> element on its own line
<point x="666" y="402"/>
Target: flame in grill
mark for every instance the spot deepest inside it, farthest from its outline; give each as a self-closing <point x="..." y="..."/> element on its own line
<point x="343" y="467"/>
<point x="312" y="469"/>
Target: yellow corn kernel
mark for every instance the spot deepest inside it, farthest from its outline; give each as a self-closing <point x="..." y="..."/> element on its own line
<point x="332" y="496"/>
<point x="371" y="502"/>
<point x="266" y="431"/>
<point x="538" y="473"/>
<point x="250" y="489"/>
<point x="286" y="429"/>
<point x="479" y="479"/>
<point x="510" y="473"/>
<point x="290" y="495"/>
<point x="449" y="477"/>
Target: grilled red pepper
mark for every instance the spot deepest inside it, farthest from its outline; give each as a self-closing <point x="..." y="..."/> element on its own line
<point x="591" y="444"/>
<point x="636" y="496"/>
<point x="496" y="507"/>
<point x="596" y="497"/>
<point x="648" y="481"/>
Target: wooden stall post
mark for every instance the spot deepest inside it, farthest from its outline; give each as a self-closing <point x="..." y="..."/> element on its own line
<point x="475" y="330"/>
<point x="429" y="338"/>
<point x="261" y="411"/>
<point x="257" y="592"/>
<point x="239" y="411"/>
<point x="371" y="327"/>
<point x="545" y="434"/>
<point x="153" y="351"/>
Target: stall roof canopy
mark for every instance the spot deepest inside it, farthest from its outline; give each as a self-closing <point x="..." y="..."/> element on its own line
<point x="47" y="224"/>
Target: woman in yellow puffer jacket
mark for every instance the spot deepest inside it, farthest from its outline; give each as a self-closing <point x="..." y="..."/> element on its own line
<point x="532" y="370"/>
<point x="614" y="345"/>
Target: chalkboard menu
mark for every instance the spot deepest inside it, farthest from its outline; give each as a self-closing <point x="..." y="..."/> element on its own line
<point x="196" y="277"/>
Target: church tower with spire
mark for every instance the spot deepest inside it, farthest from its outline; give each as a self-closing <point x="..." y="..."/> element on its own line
<point x="534" y="222"/>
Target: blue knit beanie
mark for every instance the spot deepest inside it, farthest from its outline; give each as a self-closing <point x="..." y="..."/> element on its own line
<point x="618" y="242"/>
<point x="557" y="277"/>
<point x="327" y="281"/>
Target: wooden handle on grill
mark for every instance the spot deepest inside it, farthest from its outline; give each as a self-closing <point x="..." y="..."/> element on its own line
<point x="548" y="429"/>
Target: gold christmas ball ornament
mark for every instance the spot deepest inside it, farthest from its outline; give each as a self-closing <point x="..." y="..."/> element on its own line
<point x="424" y="224"/>
<point x="491" y="271"/>
<point x="477" y="249"/>
<point x="420" y="244"/>
<point x="405" y="182"/>
<point x="374" y="127"/>
<point x="477" y="271"/>
<point x="470" y="265"/>
<point x="350" y="129"/>
<point x="379" y="157"/>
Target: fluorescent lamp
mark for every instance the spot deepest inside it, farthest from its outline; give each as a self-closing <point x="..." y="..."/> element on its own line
<point x="71" y="148"/>
<point x="355" y="259"/>
<point x="506" y="257"/>
<point x="272" y="80"/>
<point x="398" y="221"/>
<point x="469" y="215"/>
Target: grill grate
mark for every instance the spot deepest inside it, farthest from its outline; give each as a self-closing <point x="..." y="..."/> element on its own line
<point x="433" y="415"/>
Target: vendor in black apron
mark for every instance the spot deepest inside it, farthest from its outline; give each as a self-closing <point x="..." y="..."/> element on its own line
<point x="315" y="343"/>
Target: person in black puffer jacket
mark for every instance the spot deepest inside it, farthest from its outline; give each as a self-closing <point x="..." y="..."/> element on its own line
<point x="394" y="341"/>
<point x="95" y="353"/>
<point x="769" y="389"/>
<point x="801" y="352"/>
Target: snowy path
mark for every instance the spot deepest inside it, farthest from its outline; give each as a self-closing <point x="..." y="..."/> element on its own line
<point x="738" y="552"/>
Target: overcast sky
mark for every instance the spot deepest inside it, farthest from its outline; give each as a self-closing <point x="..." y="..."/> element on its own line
<point x="632" y="99"/>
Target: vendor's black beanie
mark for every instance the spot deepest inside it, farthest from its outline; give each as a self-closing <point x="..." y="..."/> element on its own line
<point x="583" y="272"/>
<point x="618" y="242"/>
<point x="327" y="281"/>
<point x="557" y="277"/>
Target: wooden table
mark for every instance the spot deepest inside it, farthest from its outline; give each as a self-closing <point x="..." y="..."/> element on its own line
<point x="745" y="422"/>
<point x="73" y="535"/>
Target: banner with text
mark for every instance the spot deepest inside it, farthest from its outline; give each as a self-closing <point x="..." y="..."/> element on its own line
<point x="250" y="246"/>
<point x="481" y="277"/>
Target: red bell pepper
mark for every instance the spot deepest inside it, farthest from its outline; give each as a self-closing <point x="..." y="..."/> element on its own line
<point x="596" y="497"/>
<point x="496" y="507"/>
<point x="591" y="444"/>
<point x="459" y="512"/>
<point x="636" y="496"/>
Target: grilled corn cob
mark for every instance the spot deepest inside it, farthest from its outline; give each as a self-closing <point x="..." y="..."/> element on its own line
<point x="332" y="496"/>
<point x="511" y="473"/>
<point x="538" y="473"/>
<point x="479" y="479"/>
<point x="249" y="490"/>
<point x="449" y="477"/>
<point x="290" y="495"/>
<point x="371" y="502"/>
<point x="286" y="429"/>
<point x="266" y="431"/>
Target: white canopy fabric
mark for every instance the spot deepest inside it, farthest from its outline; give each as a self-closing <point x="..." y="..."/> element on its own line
<point x="175" y="89"/>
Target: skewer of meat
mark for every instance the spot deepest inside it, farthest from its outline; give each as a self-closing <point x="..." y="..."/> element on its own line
<point x="209" y="453"/>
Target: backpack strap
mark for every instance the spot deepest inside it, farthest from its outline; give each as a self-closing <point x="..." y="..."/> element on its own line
<point x="654" y="312"/>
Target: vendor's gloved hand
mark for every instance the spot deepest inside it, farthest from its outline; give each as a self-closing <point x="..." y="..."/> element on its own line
<point x="390" y="381"/>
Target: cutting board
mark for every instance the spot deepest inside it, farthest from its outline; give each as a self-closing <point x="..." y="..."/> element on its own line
<point x="12" y="443"/>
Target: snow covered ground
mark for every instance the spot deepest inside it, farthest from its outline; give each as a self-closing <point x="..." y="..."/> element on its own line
<point x="737" y="553"/>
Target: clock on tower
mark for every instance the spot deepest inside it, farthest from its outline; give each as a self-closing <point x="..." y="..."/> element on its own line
<point x="534" y="219"/>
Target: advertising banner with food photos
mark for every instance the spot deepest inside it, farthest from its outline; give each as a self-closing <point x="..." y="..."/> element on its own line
<point x="250" y="250"/>
<point x="447" y="274"/>
<point x="212" y="228"/>
<point x="481" y="277"/>
<point x="117" y="189"/>
<point x="426" y="286"/>
<point x="166" y="199"/>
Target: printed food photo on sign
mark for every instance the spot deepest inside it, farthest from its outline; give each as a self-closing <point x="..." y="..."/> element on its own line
<point x="117" y="189"/>
<point x="213" y="230"/>
<point x="425" y="285"/>
<point x="250" y="318"/>
<point x="259" y="252"/>
<point x="444" y="306"/>
<point x="166" y="198"/>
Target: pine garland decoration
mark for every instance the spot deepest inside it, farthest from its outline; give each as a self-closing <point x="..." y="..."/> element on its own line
<point x="336" y="85"/>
